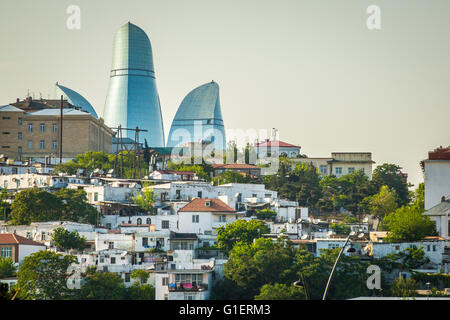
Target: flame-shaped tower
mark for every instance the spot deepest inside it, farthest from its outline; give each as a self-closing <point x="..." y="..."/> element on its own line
<point x="132" y="99"/>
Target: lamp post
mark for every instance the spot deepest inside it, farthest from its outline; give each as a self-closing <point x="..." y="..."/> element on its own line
<point x="302" y="283"/>
<point x="336" y="262"/>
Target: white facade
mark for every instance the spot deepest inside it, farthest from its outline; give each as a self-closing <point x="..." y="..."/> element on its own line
<point x="205" y="222"/>
<point x="105" y="241"/>
<point x="31" y="180"/>
<point x="434" y="250"/>
<point x="437" y="181"/>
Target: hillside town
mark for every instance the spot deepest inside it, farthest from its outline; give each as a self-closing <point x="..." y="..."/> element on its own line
<point x="96" y="203"/>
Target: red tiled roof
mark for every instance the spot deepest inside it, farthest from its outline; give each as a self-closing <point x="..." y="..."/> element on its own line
<point x="11" y="238"/>
<point x="234" y="166"/>
<point x="276" y="143"/>
<point x="199" y="205"/>
<point x="439" y="154"/>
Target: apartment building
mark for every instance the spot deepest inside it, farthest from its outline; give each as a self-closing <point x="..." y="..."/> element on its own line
<point x="36" y="134"/>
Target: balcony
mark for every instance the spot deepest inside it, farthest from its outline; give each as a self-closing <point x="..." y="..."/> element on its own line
<point x="183" y="287"/>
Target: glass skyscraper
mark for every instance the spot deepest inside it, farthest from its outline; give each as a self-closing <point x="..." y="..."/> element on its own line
<point x="199" y="118"/>
<point x="76" y="99"/>
<point x="132" y="98"/>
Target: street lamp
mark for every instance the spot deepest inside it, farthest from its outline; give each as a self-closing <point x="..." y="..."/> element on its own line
<point x="336" y="262"/>
<point x="302" y="283"/>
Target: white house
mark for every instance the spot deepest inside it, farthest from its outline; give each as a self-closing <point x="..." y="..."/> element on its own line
<point x="440" y="215"/>
<point x="204" y="216"/>
<point x="17" y="248"/>
<point x="437" y="176"/>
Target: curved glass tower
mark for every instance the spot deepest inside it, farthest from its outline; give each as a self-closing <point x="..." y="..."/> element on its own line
<point x="132" y="98"/>
<point x="77" y="99"/>
<point x="199" y="118"/>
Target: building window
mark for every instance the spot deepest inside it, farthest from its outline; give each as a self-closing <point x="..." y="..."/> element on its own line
<point x="148" y="221"/>
<point x="42" y="144"/>
<point x="19" y="135"/>
<point x="55" y="127"/>
<point x="223" y="218"/>
<point x="28" y="235"/>
<point x="113" y="260"/>
<point x="6" y="132"/>
<point x="199" y="194"/>
<point x="323" y="169"/>
<point x="6" y="118"/>
<point x="195" y="218"/>
<point x="165" y="224"/>
<point x="95" y="196"/>
<point x="338" y="170"/>
<point x="351" y="170"/>
<point x="54" y="144"/>
<point x="165" y="281"/>
<point x="19" y="121"/>
<point x="139" y="221"/>
<point x="127" y="277"/>
<point x="43" y="237"/>
<point x="30" y="144"/>
<point x="111" y="245"/>
<point x="42" y="127"/>
<point x="178" y="194"/>
<point x="6" y="252"/>
<point x="102" y="259"/>
<point x="145" y="242"/>
<point x="30" y="127"/>
<point x="19" y="149"/>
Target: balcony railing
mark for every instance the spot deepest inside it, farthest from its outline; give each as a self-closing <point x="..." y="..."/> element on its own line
<point x="187" y="287"/>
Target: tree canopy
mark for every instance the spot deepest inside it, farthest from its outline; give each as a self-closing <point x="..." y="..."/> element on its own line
<point x="36" y="205"/>
<point x="43" y="276"/>
<point x="7" y="268"/>
<point x="408" y="224"/>
<point x="391" y="175"/>
<point x="65" y="240"/>
<point x="240" y="231"/>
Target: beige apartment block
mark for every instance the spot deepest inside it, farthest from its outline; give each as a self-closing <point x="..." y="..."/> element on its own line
<point x="36" y="134"/>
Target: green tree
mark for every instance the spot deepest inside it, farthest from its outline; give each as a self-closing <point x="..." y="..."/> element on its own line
<point x="266" y="214"/>
<point x="250" y="266"/>
<point x="382" y="203"/>
<point x="140" y="292"/>
<point x="65" y="240"/>
<point x="140" y="275"/>
<point x="281" y="291"/>
<point x="240" y="230"/>
<point x="391" y="175"/>
<point x="145" y="200"/>
<point x="418" y="199"/>
<point x="43" y="276"/>
<point x="229" y="176"/>
<point x="4" y="206"/>
<point x="34" y="205"/>
<point x="75" y="206"/>
<point x="7" y="268"/>
<point x="102" y="286"/>
<point x="408" y="224"/>
<point x="404" y="288"/>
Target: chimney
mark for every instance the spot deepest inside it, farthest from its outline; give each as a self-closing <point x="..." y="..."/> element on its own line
<point x="17" y="100"/>
<point x="443" y="199"/>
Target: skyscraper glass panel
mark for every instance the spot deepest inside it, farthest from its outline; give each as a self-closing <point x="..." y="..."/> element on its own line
<point x="132" y="99"/>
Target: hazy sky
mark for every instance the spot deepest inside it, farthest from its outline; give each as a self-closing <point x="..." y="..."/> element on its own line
<point x="311" y="68"/>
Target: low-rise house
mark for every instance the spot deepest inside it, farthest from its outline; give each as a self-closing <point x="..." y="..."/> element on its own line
<point x="270" y="148"/>
<point x="42" y="231"/>
<point x="173" y="175"/>
<point x="440" y="215"/>
<point x="17" y="248"/>
<point x="204" y="216"/>
<point x="114" y="240"/>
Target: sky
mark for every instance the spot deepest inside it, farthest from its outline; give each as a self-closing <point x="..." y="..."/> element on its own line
<point x="312" y="69"/>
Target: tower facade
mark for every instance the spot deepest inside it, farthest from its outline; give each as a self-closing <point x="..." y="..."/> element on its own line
<point x="133" y="99"/>
<point x="199" y="118"/>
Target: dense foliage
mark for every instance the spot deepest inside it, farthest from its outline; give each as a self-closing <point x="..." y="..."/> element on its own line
<point x="65" y="240"/>
<point x="37" y="205"/>
<point x="240" y="231"/>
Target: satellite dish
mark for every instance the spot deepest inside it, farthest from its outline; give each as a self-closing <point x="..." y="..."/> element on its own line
<point x="352" y="233"/>
<point x="304" y="237"/>
<point x="361" y="235"/>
